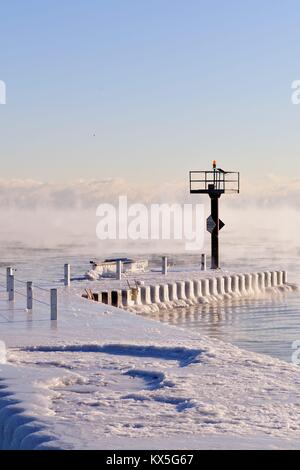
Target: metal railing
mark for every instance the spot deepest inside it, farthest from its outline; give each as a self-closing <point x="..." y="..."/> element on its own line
<point x="214" y="180"/>
<point x="12" y="281"/>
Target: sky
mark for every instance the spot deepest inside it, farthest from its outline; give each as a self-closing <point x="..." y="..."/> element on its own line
<point x="147" y="90"/>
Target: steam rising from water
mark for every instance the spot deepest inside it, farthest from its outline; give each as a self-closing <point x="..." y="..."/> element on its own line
<point x="56" y="216"/>
<point x="270" y="192"/>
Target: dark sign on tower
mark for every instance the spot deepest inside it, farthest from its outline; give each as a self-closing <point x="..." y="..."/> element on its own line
<point x="214" y="183"/>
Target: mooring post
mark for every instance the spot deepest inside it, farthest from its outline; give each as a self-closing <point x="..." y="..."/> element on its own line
<point x="11" y="292"/>
<point x="203" y="262"/>
<point x="53" y="304"/>
<point x="9" y="272"/>
<point x="67" y="275"/>
<point x="164" y="267"/>
<point x="29" y="295"/>
<point x="119" y="270"/>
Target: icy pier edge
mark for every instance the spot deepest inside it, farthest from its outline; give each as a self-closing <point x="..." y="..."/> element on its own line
<point x="183" y="293"/>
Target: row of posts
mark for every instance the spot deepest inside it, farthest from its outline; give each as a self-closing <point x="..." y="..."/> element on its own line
<point x="164" y="267"/>
<point x="10" y="283"/>
<point x="10" y="287"/>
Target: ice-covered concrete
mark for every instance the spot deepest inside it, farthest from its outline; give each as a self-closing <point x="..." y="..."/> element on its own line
<point x="186" y="289"/>
<point x="101" y="377"/>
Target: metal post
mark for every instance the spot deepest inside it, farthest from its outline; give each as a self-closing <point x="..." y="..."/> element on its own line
<point x="11" y="292"/>
<point x="119" y="270"/>
<point x="9" y="272"/>
<point x="203" y="262"/>
<point x="29" y="295"/>
<point x="164" y="267"/>
<point x="53" y="304"/>
<point x="215" y="232"/>
<point x="67" y="277"/>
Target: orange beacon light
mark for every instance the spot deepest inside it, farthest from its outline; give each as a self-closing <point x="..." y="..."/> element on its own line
<point x="214" y="164"/>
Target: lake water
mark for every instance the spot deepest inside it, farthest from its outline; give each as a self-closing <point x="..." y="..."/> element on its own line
<point x="266" y="326"/>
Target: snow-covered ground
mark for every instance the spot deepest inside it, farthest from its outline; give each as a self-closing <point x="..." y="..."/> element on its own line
<point x="101" y="378"/>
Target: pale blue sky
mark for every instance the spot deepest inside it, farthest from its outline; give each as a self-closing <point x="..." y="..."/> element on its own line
<point x="165" y="86"/>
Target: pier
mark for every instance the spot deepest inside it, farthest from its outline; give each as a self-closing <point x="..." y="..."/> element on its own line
<point x="152" y="293"/>
<point x="145" y="292"/>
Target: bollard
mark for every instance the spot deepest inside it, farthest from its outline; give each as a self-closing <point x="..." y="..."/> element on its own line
<point x="203" y="262"/>
<point x="137" y="296"/>
<point x="220" y="285"/>
<point x="274" y="281"/>
<point x="235" y="285"/>
<point x="268" y="276"/>
<point x="189" y="290"/>
<point x="53" y="304"/>
<point x="279" y="278"/>
<point x="11" y="292"/>
<point x="119" y="270"/>
<point x="116" y="298"/>
<point x="197" y="288"/>
<point x="173" y="291"/>
<point x="255" y="282"/>
<point x="228" y="286"/>
<point x="205" y="288"/>
<point x="213" y="291"/>
<point x="248" y="283"/>
<point x="29" y="295"/>
<point x="145" y="295"/>
<point x="242" y="284"/>
<point x="181" y="290"/>
<point x="67" y="276"/>
<point x="9" y="272"/>
<point x="261" y="281"/>
<point x="164" y="267"/>
<point x="154" y="293"/>
<point x="127" y="298"/>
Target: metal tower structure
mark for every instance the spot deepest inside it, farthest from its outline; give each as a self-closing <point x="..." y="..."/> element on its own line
<point x="214" y="182"/>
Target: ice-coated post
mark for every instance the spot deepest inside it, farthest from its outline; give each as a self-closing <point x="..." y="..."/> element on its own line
<point x="203" y="262"/>
<point x="29" y="295"/>
<point x="119" y="270"/>
<point x="11" y="292"/>
<point x="9" y="272"/>
<point x="67" y="276"/>
<point x="164" y="265"/>
<point x="53" y="304"/>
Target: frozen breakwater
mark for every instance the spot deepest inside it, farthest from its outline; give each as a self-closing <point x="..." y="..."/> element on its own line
<point x="101" y="377"/>
<point x="194" y="290"/>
